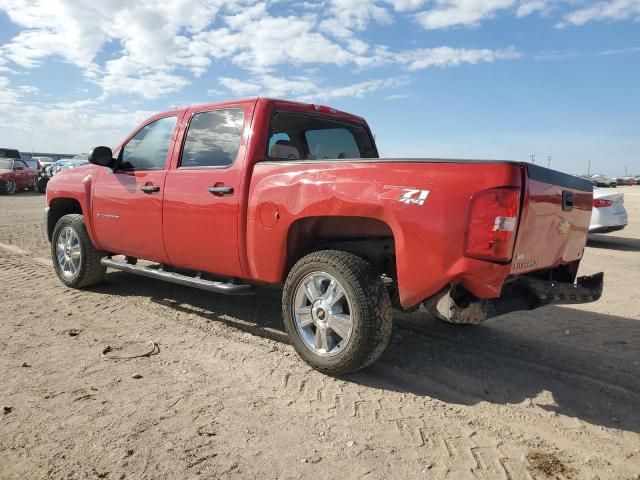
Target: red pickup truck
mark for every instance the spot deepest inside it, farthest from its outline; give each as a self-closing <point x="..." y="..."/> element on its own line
<point x="228" y="196"/>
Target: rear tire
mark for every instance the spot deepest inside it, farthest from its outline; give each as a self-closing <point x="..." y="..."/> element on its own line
<point x="75" y="259"/>
<point x="337" y="311"/>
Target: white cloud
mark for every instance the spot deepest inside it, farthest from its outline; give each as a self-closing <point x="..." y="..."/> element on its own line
<point x="150" y="35"/>
<point x="305" y="88"/>
<point x="450" y="57"/>
<point x="160" y="46"/>
<point x="620" y="51"/>
<point x="71" y="127"/>
<point x="356" y="14"/>
<point x="604" y="11"/>
<point x="530" y="6"/>
<point x="406" y="5"/>
<point x="449" y="13"/>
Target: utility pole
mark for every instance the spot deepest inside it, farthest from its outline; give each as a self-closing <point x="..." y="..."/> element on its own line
<point x="589" y="167"/>
<point x="548" y="161"/>
<point x="533" y="158"/>
<point x="625" y="171"/>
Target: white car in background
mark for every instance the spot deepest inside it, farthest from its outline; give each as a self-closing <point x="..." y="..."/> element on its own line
<point x="608" y="214"/>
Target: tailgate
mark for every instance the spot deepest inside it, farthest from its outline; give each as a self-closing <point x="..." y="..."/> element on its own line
<point x="556" y="211"/>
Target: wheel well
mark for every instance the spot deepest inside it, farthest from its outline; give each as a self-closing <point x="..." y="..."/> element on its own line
<point x="368" y="238"/>
<point x="60" y="207"/>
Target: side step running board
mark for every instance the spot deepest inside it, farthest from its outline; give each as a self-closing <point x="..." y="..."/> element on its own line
<point x="172" y="277"/>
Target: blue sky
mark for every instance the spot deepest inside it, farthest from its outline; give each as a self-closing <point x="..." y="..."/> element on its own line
<point x="435" y="78"/>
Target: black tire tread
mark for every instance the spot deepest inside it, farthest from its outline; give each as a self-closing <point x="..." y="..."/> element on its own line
<point x="371" y="296"/>
<point x="91" y="271"/>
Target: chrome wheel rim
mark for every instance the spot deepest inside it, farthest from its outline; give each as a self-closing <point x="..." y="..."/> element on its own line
<point x="323" y="314"/>
<point x="68" y="252"/>
<point x="11" y="186"/>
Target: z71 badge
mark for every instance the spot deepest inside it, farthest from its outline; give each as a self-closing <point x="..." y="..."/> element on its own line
<point x="413" y="196"/>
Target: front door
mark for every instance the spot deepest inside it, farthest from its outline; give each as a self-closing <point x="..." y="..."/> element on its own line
<point x="201" y="200"/>
<point x="127" y="205"/>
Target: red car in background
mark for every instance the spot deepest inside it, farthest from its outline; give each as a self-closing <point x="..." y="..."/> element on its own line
<point x="15" y="174"/>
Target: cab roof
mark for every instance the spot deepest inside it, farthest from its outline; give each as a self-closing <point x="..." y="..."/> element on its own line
<point x="280" y="104"/>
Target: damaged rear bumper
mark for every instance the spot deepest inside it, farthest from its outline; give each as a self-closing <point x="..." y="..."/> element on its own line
<point x="523" y="293"/>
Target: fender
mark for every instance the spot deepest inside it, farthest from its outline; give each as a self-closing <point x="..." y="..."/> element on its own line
<point x="77" y="185"/>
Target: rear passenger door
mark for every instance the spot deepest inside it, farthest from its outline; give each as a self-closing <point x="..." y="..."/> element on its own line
<point x="203" y="192"/>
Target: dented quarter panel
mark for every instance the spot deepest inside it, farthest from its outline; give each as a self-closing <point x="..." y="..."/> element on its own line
<point x="428" y="238"/>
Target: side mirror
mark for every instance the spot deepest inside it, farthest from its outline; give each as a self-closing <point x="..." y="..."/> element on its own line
<point x="102" y="156"/>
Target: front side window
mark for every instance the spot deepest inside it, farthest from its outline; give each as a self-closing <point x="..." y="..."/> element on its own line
<point x="315" y="137"/>
<point x="19" y="164"/>
<point x="213" y="139"/>
<point x="148" y="149"/>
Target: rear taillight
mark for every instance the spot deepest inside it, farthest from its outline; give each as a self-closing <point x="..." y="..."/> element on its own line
<point x="602" y="203"/>
<point x="491" y="224"/>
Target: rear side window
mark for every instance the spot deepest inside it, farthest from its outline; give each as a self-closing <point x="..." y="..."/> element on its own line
<point x="296" y="136"/>
<point x="148" y="148"/>
<point x="213" y="139"/>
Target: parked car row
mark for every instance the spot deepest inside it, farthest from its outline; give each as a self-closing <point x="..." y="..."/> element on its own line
<point x="604" y="181"/>
<point x="628" y="180"/>
<point x="17" y="173"/>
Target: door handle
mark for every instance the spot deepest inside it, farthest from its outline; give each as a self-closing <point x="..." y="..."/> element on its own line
<point x="150" y="188"/>
<point x="221" y="190"/>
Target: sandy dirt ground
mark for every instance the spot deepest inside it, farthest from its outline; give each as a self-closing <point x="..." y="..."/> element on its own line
<point x="225" y="396"/>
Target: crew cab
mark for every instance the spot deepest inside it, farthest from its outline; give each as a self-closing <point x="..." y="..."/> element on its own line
<point x="15" y="174"/>
<point x="225" y="197"/>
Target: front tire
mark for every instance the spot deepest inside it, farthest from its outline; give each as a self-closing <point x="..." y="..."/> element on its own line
<point x="337" y="312"/>
<point x="9" y="187"/>
<point x="75" y="259"/>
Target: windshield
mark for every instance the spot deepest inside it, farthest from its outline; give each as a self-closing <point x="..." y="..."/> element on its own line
<point x="4" y="163"/>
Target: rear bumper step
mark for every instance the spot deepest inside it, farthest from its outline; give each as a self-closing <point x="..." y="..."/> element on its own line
<point x="180" y="279"/>
<point x="524" y="293"/>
